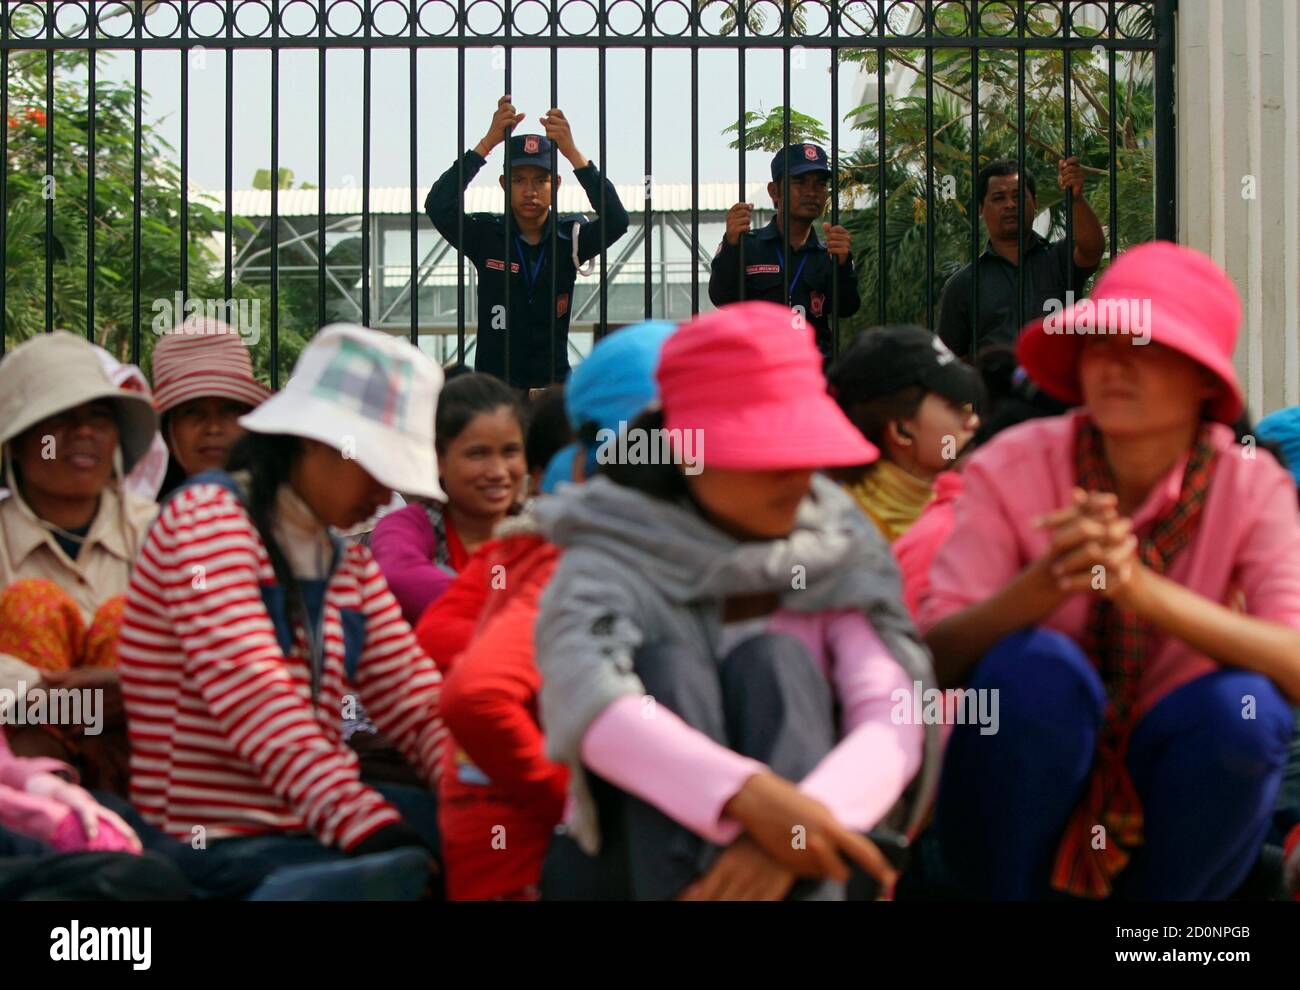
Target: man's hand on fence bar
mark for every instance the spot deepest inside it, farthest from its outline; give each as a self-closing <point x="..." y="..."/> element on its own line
<point x="1069" y="175"/>
<point x="837" y="242"/>
<point x="738" y="221"/>
<point x="558" y="130"/>
<point x="505" y="118"/>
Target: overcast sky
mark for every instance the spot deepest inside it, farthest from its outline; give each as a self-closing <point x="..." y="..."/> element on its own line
<point x="436" y="131"/>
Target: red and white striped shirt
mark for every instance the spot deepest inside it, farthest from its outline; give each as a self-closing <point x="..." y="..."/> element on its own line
<point x="222" y="728"/>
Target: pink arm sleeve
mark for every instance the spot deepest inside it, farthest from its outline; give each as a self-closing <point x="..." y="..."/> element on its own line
<point x="665" y="762"/>
<point x="862" y="777"/>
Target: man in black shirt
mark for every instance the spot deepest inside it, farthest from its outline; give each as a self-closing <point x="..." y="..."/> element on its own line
<point x="530" y="197"/>
<point x="811" y="261"/>
<point x="1049" y="270"/>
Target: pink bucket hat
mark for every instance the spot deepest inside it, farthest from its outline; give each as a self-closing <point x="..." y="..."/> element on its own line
<point x="1178" y="295"/>
<point x="752" y="384"/>
<point x="203" y="357"/>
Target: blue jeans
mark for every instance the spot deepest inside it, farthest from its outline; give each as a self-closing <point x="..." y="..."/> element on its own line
<point x="1207" y="775"/>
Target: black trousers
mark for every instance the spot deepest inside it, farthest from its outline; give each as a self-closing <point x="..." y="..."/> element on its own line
<point x="33" y="871"/>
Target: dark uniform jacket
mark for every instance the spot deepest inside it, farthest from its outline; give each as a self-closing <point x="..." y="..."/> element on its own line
<point x="530" y="275"/>
<point x="763" y="279"/>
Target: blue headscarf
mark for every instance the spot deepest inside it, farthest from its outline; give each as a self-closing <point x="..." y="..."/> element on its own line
<point x="611" y="386"/>
<point x="1283" y="429"/>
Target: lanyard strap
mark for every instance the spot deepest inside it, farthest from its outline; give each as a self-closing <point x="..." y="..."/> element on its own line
<point x="530" y="277"/>
<point x="798" y="270"/>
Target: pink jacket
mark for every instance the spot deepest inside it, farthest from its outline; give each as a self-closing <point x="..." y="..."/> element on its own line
<point x="405" y="546"/>
<point x="1247" y="544"/>
<point x="44" y="818"/>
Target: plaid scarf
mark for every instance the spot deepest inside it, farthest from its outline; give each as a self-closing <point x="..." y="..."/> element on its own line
<point x="1119" y="643"/>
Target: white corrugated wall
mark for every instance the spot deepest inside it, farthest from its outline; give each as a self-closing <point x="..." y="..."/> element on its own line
<point x="1239" y="174"/>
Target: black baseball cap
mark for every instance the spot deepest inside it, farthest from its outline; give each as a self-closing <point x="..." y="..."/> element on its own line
<point x="530" y="149"/>
<point x="885" y="360"/>
<point x="802" y="158"/>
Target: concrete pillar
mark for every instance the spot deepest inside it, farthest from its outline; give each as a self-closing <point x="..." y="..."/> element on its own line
<point x="1239" y="174"/>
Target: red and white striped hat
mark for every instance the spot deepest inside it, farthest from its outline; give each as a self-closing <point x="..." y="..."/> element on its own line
<point x="203" y="357"/>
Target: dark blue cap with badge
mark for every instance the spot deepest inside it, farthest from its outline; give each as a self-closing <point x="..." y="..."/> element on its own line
<point x="802" y="158"/>
<point x="530" y="149"/>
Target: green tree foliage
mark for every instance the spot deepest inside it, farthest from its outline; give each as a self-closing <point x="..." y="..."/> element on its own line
<point x="65" y="186"/>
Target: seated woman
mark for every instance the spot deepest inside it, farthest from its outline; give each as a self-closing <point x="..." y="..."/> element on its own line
<point x="916" y="403"/>
<point x="1125" y="581"/>
<point x="250" y="629"/>
<point x="712" y="609"/>
<point x="68" y="537"/>
<point x="203" y="382"/>
<point x="480" y="446"/>
<point x="498" y="781"/>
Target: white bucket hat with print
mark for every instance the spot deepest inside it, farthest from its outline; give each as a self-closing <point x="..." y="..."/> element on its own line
<point x="368" y="395"/>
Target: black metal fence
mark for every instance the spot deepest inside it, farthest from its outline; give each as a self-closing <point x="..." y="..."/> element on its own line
<point x="993" y="37"/>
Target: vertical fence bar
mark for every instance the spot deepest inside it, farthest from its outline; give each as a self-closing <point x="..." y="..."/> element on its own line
<point x="1067" y="82"/>
<point x="366" y="246"/>
<point x="49" y="173"/>
<point x="4" y="183"/>
<point x="786" y="258"/>
<point x="647" y="212"/>
<point x="742" y="14"/>
<point x="91" y="59"/>
<point x="415" y="180"/>
<point x="928" y="11"/>
<point x="601" y="109"/>
<point x="185" y="163"/>
<point x="882" y="259"/>
<point x="275" y="191"/>
<point x="1112" y="137"/>
<point x="975" y="204"/>
<point x="135" y="220"/>
<point x="508" y="9"/>
<point x="320" y="170"/>
<point x="460" y="187"/>
<point x="835" y="174"/>
<point x="695" y="165"/>
<point x="229" y="159"/>
<point x="1165" y="123"/>
<point x="1022" y="178"/>
<point x="554" y="217"/>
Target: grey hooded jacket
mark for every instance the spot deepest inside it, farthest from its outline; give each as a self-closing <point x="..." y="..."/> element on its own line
<point x="638" y="569"/>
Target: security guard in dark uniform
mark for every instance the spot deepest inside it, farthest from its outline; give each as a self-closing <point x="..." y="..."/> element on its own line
<point x="530" y="199"/>
<point x="810" y="259"/>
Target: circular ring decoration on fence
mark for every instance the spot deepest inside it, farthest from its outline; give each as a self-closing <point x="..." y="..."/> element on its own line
<point x="1046" y="11"/>
<point x="337" y="26"/>
<point x="198" y="13"/>
<point x="33" y="32"/>
<point x="583" y="28"/>
<point x="947" y="10"/>
<point x="857" y="19"/>
<point x="299" y="9"/>
<point x="610" y="15"/>
<point x="522" y="29"/>
<point x="430" y="29"/>
<point x="685" y="18"/>
<point x="75" y="30"/>
<point x="988" y="24"/>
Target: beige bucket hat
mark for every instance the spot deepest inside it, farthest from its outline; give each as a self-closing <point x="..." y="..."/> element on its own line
<point x="47" y="374"/>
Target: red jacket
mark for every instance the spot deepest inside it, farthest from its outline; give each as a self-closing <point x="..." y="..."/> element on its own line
<point x="499" y="798"/>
